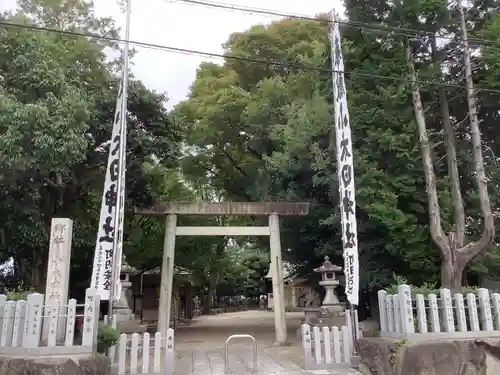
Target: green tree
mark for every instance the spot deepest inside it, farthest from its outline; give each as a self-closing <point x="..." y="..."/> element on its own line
<point x="256" y="261"/>
<point x="433" y="60"/>
<point x="263" y="132"/>
<point x="57" y="99"/>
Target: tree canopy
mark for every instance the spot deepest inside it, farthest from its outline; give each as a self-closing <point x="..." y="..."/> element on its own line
<point x="257" y="127"/>
<point x="262" y="131"/>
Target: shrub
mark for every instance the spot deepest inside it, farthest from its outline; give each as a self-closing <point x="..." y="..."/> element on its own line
<point x="19" y="293"/>
<point x="106" y="337"/>
<point x="425" y="289"/>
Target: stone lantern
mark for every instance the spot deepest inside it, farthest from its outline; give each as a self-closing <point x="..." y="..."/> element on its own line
<point x="331" y="313"/>
<point x="125" y="317"/>
<point x="122" y="306"/>
<point x="330" y="283"/>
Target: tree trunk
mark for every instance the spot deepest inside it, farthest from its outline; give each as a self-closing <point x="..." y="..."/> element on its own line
<point x="453" y="265"/>
<point x="455" y="256"/>
<point x="446" y="244"/>
<point x="451" y="274"/>
<point x="488" y="235"/>
<point x="451" y="158"/>
<point x="437" y="233"/>
<point x="210" y="296"/>
<point x="41" y="258"/>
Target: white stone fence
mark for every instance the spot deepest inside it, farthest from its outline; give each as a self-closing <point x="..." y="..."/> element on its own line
<point x="440" y="316"/>
<point x="22" y="331"/>
<point x="144" y="353"/>
<point x="328" y="348"/>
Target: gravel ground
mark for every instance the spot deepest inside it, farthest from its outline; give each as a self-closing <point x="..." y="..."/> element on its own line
<point x="213" y="330"/>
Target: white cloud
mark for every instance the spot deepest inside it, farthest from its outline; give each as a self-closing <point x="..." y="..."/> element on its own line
<point x="182" y="25"/>
<point x="177" y="24"/>
<point x="7" y="4"/>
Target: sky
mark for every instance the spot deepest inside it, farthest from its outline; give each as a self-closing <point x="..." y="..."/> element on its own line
<point x="177" y="24"/>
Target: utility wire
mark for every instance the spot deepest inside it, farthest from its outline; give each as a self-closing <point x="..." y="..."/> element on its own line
<point x="232" y="57"/>
<point x="358" y="25"/>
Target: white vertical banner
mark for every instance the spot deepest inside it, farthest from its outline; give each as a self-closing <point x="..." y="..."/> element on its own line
<point x="345" y="167"/>
<point x="121" y="212"/>
<point x="112" y="200"/>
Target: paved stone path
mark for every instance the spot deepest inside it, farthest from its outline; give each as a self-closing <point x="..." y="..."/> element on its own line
<point x="211" y="362"/>
<point x="200" y="346"/>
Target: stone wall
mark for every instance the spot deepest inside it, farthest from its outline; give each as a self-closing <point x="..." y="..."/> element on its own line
<point x="381" y="356"/>
<point x="93" y="365"/>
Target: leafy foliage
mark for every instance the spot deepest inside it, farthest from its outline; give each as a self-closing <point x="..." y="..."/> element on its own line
<point x="247" y="121"/>
<point x="107" y="336"/>
<point x="57" y="101"/>
<point x="263" y="132"/>
<point x="424" y="289"/>
<point x="246" y="132"/>
<point x="19" y="293"/>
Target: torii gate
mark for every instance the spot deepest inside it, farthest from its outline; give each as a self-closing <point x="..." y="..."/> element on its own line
<point x="271" y="209"/>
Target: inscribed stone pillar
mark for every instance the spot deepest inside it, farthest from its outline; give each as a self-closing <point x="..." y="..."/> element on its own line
<point x="56" y="290"/>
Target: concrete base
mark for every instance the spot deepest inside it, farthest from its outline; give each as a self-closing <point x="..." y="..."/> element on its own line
<point x="325" y="315"/>
<point x="123" y="313"/>
<point x="131" y="326"/>
<point x="338" y="308"/>
<point x="282" y="344"/>
<point x="74" y="352"/>
<point x="126" y="322"/>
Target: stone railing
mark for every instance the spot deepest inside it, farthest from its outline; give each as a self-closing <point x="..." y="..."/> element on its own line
<point x="439" y="316"/>
<point x="30" y="328"/>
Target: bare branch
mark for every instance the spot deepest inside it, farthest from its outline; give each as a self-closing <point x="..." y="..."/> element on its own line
<point x="451" y="160"/>
<point x="436" y="229"/>
<point x="474" y="248"/>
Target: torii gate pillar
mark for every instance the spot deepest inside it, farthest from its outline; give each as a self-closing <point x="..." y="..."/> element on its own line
<point x="277" y="276"/>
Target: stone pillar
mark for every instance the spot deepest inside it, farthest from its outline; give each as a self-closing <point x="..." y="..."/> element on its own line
<point x="294" y="294"/>
<point x="56" y="289"/>
<point x="167" y="275"/>
<point x="188" y="303"/>
<point x="278" y="287"/>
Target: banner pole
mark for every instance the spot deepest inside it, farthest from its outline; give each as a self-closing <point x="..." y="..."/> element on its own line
<point x="345" y="171"/>
<point x="354" y="328"/>
<point x="115" y="273"/>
